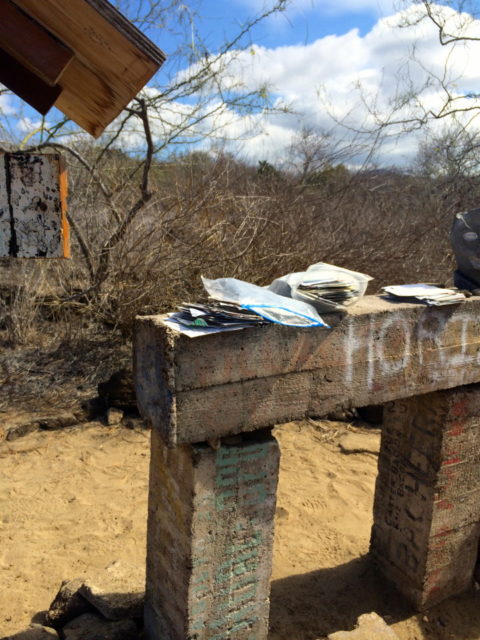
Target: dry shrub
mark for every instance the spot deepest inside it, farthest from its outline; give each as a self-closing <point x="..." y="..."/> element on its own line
<point x="221" y="217"/>
<point x="20" y="307"/>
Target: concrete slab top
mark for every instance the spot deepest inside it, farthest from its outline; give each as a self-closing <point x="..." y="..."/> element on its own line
<point x="243" y="380"/>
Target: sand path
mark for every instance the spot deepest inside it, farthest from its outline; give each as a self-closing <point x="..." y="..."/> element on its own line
<point x="73" y="501"/>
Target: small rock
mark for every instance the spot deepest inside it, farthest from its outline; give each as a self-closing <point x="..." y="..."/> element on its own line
<point x="20" y="430"/>
<point x="114" y="416"/>
<point x="91" y="409"/>
<point x="57" y="421"/>
<point x="342" y="415"/>
<point x="118" y="592"/>
<point x="35" y="632"/>
<point x="67" y="604"/>
<point x="369" y="626"/>
<point x="281" y="512"/>
<point x="137" y="424"/>
<point x="93" y="627"/>
<point x="359" y="443"/>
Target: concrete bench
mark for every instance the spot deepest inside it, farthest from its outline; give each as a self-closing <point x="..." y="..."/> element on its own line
<point x="212" y="402"/>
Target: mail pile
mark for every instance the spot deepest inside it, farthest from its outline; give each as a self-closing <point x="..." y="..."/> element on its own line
<point x="235" y="304"/>
<point x="294" y="300"/>
<point x="324" y="286"/>
<point x="217" y="314"/>
<point x="336" y="290"/>
<point x="431" y="295"/>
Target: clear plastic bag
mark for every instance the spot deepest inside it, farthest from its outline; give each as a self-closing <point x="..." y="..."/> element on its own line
<point x="269" y="305"/>
<point x="342" y="287"/>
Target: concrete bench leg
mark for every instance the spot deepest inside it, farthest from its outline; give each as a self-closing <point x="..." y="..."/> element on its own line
<point x="210" y="539"/>
<point x="427" y="499"/>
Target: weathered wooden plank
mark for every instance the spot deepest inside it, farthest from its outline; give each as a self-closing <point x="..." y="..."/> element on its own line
<point x="32" y="45"/>
<point x="26" y="84"/>
<point x="375" y="330"/>
<point x="96" y="41"/>
<point x="136" y="37"/>
<point x="34" y="195"/>
<point x="227" y="383"/>
<point x="88" y="99"/>
<point x="63" y="195"/>
<point x="112" y="61"/>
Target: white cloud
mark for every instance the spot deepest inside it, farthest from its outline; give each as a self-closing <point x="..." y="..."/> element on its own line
<point x="6" y="104"/>
<point x="350" y="76"/>
<point x="30" y="126"/>
<point x="351" y="79"/>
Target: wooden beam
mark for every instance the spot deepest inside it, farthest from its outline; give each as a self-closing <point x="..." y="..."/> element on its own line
<point x="88" y="99"/>
<point x="32" y="45"/>
<point x="113" y="61"/>
<point x="27" y="85"/>
<point x="130" y="31"/>
<point x="201" y="388"/>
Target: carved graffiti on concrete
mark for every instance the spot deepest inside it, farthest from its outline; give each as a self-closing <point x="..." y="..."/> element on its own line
<point x="440" y="342"/>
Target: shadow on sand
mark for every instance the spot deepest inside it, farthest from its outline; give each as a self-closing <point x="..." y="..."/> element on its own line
<point x="312" y="605"/>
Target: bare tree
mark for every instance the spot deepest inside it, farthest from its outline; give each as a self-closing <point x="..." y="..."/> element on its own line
<point x="428" y="92"/>
<point x="452" y="154"/>
<point x="314" y="154"/>
<point x="187" y="103"/>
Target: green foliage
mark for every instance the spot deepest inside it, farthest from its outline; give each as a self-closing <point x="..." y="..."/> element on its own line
<point x="267" y="170"/>
<point x="330" y="174"/>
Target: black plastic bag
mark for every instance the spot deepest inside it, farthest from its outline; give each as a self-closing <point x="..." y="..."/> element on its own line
<point x="465" y="239"/>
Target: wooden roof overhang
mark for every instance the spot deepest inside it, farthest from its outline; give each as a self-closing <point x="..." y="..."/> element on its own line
<point x="82" y="56"/>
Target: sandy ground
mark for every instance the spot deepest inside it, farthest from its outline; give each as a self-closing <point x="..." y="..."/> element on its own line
<point x="74" y="501"/>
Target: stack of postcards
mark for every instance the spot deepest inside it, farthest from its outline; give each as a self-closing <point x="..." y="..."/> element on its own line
<point x="216" y="314"/>
<point x="429" y="294"/>
<point x="338" y="291"/>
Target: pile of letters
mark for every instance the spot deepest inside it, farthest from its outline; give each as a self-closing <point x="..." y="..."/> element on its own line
<point x="429" y="294"/>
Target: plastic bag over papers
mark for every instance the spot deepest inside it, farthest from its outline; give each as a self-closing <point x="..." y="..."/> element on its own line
<point x="271" y="306"/>
<point x="324" y="286"/>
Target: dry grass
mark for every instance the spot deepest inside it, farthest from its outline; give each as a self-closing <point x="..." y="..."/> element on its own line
<point x="219" y="217"/>
<point x="57" y="369"/>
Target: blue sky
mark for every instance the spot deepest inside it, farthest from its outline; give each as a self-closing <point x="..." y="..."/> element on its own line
<point x="292" y="27"/>
<point x="334" y="66"/>
<point x="304" y="21"/>
<point x="334" y="61"/>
